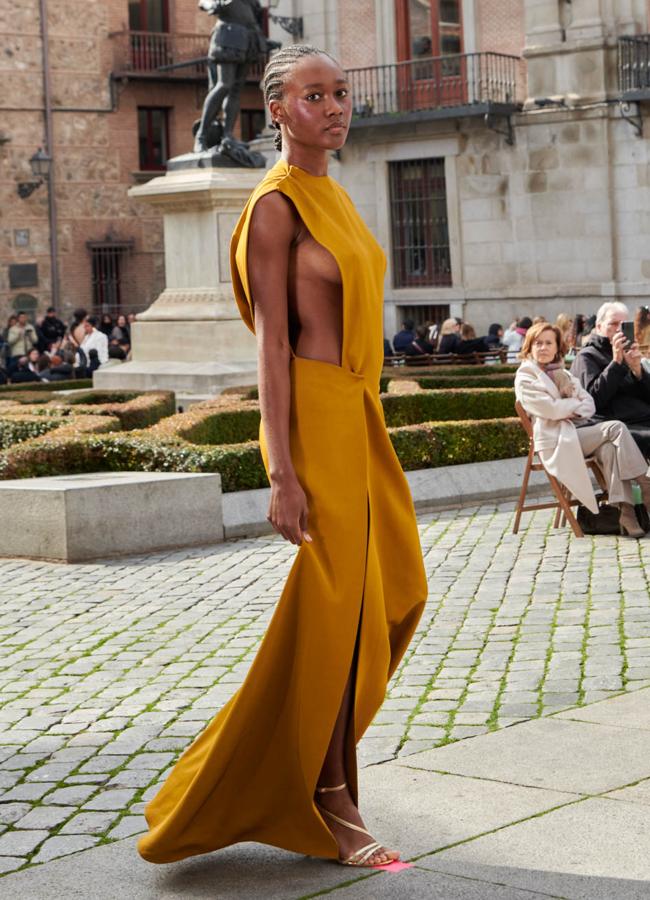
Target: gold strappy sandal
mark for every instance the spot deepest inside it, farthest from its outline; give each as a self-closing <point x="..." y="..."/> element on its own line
<point x="360" y="857"/>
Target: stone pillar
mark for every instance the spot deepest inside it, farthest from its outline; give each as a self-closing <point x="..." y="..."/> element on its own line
<point x="542" y="21"/>
<point x="587" y="22"/>
<point x="192" y="339"/>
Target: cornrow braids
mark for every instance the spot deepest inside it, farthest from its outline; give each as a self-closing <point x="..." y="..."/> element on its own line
<point x="276" y="71"/>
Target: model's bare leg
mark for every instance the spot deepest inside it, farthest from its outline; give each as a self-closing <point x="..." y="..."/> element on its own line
<point x="341" y="803"/>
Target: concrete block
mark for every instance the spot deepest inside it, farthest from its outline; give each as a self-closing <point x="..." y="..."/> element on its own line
<point x="71" y="518"/>
<point x="627" y="711"/>
<point x="548" y="753"/>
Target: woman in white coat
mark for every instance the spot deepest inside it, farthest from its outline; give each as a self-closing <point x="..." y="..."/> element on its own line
<point x="556" y="403"/>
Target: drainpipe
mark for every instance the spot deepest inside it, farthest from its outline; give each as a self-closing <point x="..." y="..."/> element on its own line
<point x="49" y="148"/>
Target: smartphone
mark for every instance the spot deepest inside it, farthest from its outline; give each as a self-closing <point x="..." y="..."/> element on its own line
<point x="628" y="330"/>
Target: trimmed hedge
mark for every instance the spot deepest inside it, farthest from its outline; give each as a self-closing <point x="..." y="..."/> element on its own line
<point x="427" y="445"/>
<point x="36" y="386"/>
<point x="224" y="420"/>
<point x="132" y="410"/>
<point x="445" y="382"/>
<point x="415" y="372"/>
<point x="444" y="406"/>
<point x="14" y="429"/>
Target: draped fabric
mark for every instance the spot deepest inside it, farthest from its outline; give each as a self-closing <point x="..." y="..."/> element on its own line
<point x="352" y="599"/>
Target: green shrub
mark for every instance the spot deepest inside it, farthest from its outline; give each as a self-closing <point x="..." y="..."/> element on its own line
<point x="47" y="385"/>
<point x="444" y="382"/>
<point x="15" y="429"/>
<point x="415" y="372"/>
<point x="443" y="406"/>
<point x="435" y="444"/>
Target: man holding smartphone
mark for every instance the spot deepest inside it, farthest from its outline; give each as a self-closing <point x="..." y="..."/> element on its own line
<point x="609" y="368"/>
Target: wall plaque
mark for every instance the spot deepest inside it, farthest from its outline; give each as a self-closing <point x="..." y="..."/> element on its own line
<point x="23" y="275"/>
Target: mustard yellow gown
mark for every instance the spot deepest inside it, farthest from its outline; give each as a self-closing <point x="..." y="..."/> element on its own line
<point x="251" y="774"/>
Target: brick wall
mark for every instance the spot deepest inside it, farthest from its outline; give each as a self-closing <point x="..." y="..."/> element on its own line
<point x="500" y="26"/>
<point x="357" y="33"/>
<point x="95" y="146"/>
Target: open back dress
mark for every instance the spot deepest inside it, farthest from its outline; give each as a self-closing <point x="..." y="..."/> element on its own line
<point x="353" y="597"/>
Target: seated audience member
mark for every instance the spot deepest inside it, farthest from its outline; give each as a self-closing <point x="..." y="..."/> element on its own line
<point x="32" y="360"/>
<point x="22" y="373"/>
<point x="565" y="324"/>
<point x="116" y="353"/>
<point x="469" y="343"/>
<point x="388" y="350"/>
<point x="612" y="373"/>
<point x="557" y="403"/>
<point x="94" y="340"/>
<point x="494" y="336"/>
<point x="514" y="336"/>
<point x="420" y="344"/>
<point x="642" y="330"/>
<point x="404" y="337"/>
<point x="449" y="340"/>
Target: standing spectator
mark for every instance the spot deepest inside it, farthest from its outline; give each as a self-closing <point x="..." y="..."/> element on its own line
<point x="21" y="338"/>
<point x="130" y="318"/>
<point x="94" y="340"/>
<point x="405" y="337"/>
<point x="449" y="336"/>
<point x="77" y="329"/>
<point x="107" y="326"/>
<point x="52" y="328"/>
<point x="11" y="321"/>
<point x="577" y="332"/>
<point x="22" y="372"/>
<point x="514" y="337"/>
<point x="121" y="332"/>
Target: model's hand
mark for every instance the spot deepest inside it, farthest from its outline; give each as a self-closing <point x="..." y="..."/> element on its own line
<point x="633" y="359"/>
<point x="288" y="510"/>
<point x="618" y="347"/>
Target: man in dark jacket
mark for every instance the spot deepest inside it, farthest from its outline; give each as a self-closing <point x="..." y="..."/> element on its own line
<point x="52" y="328"/>
<point x="404" y="338"/>
<point x="612" y="373"/>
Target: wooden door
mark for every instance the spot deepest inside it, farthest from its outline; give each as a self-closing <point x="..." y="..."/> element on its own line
<point x="430" y="38"/>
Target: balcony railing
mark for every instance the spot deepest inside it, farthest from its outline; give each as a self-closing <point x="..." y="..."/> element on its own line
<point x="468" y="83"/>
<point x="159" y="55"/>
<point x="634" y="66"/>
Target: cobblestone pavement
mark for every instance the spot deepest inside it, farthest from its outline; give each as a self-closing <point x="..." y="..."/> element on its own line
<point x="108" y="670"/>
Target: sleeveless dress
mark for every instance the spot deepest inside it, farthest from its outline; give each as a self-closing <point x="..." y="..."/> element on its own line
<point x="354" y="595"/>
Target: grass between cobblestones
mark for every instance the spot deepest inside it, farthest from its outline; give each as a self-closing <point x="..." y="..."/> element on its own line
<point x="109" y="670"/>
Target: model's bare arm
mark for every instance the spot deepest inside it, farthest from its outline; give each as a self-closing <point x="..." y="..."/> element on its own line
<point x="274" y="224"/>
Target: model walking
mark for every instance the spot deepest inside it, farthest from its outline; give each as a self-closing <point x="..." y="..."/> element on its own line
<point x="278" y="764"/>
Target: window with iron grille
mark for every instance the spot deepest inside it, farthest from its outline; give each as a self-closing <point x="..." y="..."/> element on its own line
<point x="420" y="233"/>
<point x="153" y="140"/>
<point x="107" y="267"/>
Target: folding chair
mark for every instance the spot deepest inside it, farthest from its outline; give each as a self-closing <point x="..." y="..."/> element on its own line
<point x="565" y="500"/>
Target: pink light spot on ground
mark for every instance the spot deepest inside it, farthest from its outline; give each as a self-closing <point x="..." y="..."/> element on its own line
<point x="395" y="866"/>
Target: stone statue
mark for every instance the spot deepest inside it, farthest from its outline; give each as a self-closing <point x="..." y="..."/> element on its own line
<point x="236" y="40"/>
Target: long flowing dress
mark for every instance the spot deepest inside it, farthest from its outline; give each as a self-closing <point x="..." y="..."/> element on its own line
<point x="352" y="599"/>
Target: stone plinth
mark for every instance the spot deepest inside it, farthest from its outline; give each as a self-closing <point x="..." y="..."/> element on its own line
<point x="71" y="518"/>
<point x="194" y="322"/>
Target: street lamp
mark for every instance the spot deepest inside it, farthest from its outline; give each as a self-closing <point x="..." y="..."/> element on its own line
<point x="40" y="164"/>
<point x="293" y="25"/>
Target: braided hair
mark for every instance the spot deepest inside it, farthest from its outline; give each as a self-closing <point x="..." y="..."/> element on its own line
<point x="275" y="75"/>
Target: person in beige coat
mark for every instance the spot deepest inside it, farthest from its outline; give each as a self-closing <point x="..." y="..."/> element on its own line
<point x="556" y="402"/>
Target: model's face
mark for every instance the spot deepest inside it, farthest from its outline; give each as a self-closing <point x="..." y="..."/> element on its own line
<point x="316" y="108"/>
<point x="611" y="324"/>
<point x="544" y="348"/>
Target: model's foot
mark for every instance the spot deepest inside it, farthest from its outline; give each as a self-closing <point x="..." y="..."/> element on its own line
<point x="340" y="804"/>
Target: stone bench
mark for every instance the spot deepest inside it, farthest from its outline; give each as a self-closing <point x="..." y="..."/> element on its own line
<point x="71" y="518"/>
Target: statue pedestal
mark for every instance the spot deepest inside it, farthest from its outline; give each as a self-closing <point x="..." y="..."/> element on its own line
<point x="191" y="339"/>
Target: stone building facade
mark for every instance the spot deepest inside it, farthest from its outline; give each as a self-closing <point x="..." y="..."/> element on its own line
<point x="115" y="119"/>
<point x="489" y="152"/>
<point x="542" y="207"/>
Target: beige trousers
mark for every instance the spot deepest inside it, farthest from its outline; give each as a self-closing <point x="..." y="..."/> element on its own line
<point x="617" y="455"/>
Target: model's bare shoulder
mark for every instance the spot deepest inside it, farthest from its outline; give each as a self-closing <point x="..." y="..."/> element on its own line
<point x="274" y="221"/>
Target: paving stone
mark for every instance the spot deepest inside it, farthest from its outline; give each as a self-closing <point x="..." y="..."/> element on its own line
<point x="127" y="826"/>
<point x="45" y="817"/>
<point x="88" y="823"/>
<point x="20" y="843"/>
<point x="12" y="812"/>
<point x="10" y="863"/>
<point x="62" y="845"/>
<point x="110" y="799"/>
